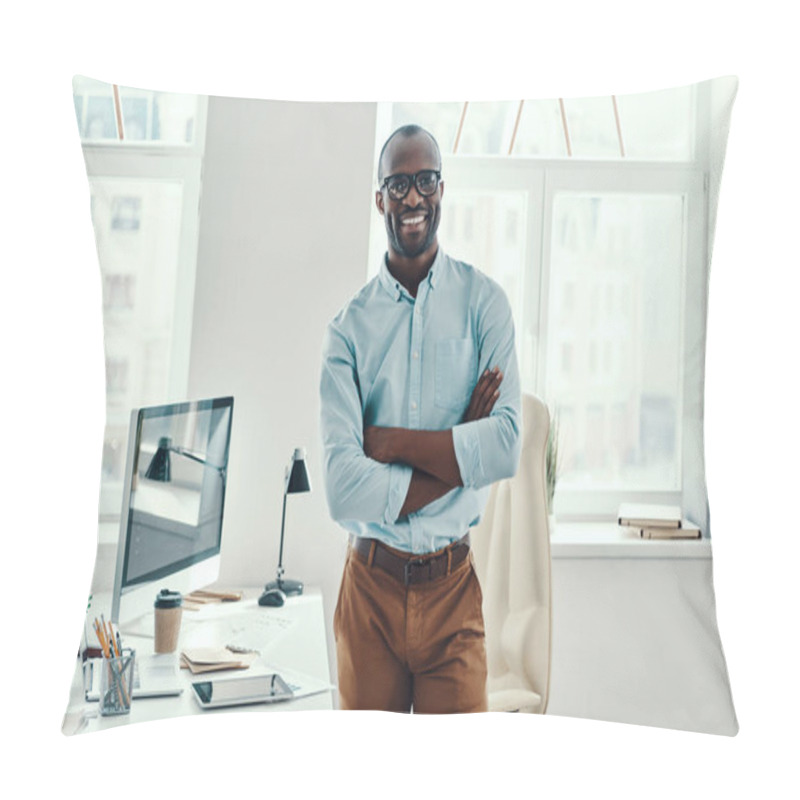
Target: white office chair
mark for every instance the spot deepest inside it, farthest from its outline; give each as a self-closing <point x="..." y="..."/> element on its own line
<point x="511" y="547"/>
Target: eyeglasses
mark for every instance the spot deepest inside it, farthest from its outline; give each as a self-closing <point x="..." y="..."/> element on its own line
<point x="426" y="182"/>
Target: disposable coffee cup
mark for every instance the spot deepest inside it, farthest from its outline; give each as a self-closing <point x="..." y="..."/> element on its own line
<point x="168" y="607"/>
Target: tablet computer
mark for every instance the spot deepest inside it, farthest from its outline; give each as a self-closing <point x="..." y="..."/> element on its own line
<point x="241" y="691"/>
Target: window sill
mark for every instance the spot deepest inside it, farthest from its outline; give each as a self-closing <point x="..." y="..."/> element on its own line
<point x="609" y="540"/>
<point x="573" y="540"/>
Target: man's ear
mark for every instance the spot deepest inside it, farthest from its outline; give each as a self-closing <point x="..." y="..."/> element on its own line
<point x="441" y="189"/>
<point x="379" y="201"/>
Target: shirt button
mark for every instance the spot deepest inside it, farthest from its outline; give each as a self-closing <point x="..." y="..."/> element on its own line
<point x="416" y="354"/>
<point x="413" y="405"/>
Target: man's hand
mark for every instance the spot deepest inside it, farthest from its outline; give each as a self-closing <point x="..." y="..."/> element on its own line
<point x="378" y="443"/>
<point x="385" y="444"/>
<point x="484" y="395"/>
<point x="432" y="452"/>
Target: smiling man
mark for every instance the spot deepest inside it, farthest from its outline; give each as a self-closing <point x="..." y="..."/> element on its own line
<point x="420" y="413"/>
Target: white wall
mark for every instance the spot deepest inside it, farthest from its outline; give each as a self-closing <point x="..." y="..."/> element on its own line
<point x="286" y="201"/>
<point x="284" y="229"/>
<point x="635" y="640"/>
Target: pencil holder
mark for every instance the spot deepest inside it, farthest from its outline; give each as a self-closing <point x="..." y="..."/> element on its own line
<point x="116" y="683"/>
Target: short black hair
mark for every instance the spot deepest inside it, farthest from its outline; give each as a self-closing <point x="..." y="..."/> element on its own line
<point x="407" y="131"/>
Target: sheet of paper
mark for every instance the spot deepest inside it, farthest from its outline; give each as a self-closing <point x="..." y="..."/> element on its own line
<point x="214" y="655"/>
<point x="248" y="629"/>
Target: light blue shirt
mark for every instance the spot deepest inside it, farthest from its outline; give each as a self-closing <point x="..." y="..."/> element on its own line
<point x="395" y="361"/>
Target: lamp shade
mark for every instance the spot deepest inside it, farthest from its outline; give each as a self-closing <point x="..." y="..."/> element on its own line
<point x="298" y="475"/>
<point x="160" y="468"/>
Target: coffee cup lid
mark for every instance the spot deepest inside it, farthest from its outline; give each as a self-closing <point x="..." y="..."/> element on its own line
<point x="167" y="599"/>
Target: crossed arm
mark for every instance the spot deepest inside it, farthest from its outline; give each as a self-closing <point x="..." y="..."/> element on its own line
<point x="376" y="475"/>
<point x="430" y="453"/>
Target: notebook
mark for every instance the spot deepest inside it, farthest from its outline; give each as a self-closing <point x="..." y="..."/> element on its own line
<point x="153" y="676"/>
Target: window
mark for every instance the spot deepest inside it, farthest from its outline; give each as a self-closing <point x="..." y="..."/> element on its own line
<point x="593" y="250"/>
<point x="122" y="115"/>
<point x="143" y="153"/>
<point x="648" y="259"/>
<point x="597" y="282"/>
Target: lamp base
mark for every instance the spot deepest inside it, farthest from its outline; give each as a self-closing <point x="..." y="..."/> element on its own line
<point x="288" y="587"/>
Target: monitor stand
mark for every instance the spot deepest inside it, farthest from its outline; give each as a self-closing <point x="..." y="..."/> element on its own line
<point x="143" y="626"/>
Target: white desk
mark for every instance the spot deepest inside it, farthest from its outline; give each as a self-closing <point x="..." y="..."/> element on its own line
<point x="300" y="647"/>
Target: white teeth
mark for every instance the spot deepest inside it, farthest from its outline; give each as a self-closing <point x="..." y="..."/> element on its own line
<point x="412" y="220"/>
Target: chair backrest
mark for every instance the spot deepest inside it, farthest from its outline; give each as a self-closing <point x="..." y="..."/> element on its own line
<point x="511" y="547"/>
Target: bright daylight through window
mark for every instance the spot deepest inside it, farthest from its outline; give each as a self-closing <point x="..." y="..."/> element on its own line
<point x="582" y="210"/>
<point x="143" y="154"/>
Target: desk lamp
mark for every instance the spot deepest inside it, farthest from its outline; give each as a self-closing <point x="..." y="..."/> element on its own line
<point x="295" y="481"/>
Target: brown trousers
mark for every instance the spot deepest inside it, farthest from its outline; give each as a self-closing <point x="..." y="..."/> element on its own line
<point x="419" y="647"/>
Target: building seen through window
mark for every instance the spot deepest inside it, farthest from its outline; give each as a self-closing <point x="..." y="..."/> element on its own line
<point x="579" y="209"/>
<point x="143" y="159"/>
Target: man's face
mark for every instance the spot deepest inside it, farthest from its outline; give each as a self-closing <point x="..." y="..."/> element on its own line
<point x="411" y="223"/>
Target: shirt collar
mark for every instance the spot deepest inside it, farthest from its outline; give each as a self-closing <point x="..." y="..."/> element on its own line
<point x="397" y="290"/>
<point x="435" y="272"/>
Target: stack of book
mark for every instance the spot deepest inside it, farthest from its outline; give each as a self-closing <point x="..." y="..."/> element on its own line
<point x="212" y="659"/>
<point x="657" y="521"/>
<point x="203" y="597"/>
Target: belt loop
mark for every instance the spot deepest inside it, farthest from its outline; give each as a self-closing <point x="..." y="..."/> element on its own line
<point x="371" y="557"/>
<point x="449" y="560"/>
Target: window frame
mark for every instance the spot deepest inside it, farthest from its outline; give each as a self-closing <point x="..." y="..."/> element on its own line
<point x="544" y="179"/>
<point x="153" y="161"/>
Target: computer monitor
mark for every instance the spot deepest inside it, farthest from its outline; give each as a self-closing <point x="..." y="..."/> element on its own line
<point x="173" y="500"/>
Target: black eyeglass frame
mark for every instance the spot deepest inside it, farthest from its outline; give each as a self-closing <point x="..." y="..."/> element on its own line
<point x="412" y="181"/>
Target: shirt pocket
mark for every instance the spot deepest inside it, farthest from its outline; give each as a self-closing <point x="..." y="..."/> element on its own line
<point x="456" y="365"/>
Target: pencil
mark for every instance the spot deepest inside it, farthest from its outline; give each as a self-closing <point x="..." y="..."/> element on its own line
<point x="101" y="637"/>
<point x="105" y="630"/>
<point x="112" y="639"/>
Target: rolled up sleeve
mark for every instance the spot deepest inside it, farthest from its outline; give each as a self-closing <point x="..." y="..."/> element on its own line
<point x="357" y="488"/>
<point x="487" y="450"/>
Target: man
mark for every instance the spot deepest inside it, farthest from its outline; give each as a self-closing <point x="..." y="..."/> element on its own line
<point x="420" y="413"/>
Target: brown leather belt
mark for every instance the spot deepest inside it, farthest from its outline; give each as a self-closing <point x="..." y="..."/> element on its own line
<point x="413" y="569"/>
